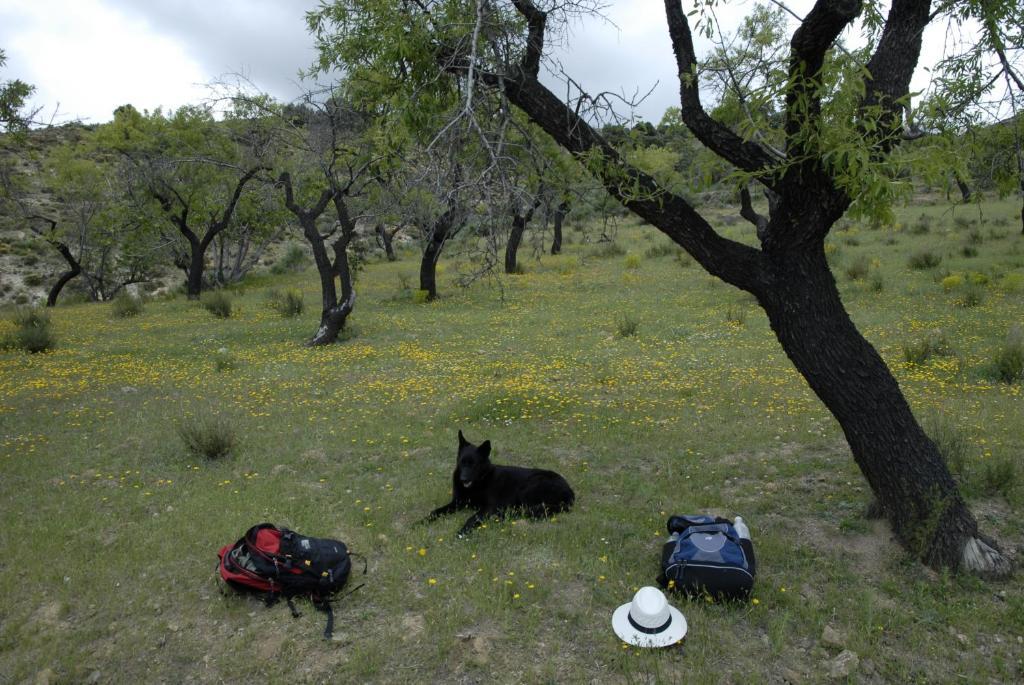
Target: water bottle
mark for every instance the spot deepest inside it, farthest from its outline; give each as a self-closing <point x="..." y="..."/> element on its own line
<point x="741" y="528"/>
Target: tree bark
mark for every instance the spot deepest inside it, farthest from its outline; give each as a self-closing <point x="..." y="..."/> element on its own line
<point x="899" y="461"/>
<point x="386" y="241"/>
<point x="76" y="268"/>
<point x="442" y="229"/>
<point x="965" y="190"/>
<point x="559" y="216"/>
<point x="332" y="314"/>
<point x="515" y="237"/>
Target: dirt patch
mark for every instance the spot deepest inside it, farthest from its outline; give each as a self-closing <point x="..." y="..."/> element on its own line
<point x="871" y="551"/>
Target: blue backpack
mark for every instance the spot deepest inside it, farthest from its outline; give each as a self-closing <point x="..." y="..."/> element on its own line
<point x="705" y="555"/>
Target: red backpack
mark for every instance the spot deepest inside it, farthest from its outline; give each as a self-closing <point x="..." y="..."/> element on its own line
<point x="277" y="562"/>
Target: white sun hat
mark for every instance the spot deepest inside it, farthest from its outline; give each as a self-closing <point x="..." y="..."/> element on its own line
<point x="649" y="620"/>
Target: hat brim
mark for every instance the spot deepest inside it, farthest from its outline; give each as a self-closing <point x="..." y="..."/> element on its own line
<point x="627" y="633"/>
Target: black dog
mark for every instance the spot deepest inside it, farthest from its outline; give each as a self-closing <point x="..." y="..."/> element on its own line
<point x="493" y="490"/>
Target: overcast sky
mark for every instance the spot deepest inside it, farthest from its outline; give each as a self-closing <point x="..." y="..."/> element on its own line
<point x="91" y="56"/>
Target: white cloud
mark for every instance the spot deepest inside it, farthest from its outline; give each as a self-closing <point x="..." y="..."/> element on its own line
<point x="91" y="59"/>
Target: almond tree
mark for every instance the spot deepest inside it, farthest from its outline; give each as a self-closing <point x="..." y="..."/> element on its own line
<point x="841" y="120"/>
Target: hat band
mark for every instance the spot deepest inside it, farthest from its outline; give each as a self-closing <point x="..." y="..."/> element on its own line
<point x="650" y="631"/>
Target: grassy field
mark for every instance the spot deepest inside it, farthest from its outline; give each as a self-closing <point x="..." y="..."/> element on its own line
<point x="111" y="527"/>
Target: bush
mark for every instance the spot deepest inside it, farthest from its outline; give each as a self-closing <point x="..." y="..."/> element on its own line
<point x="288" y="303"/>
<point x="661" y="249"/>
<point x="632" y="261"/>
<point x="857" y="270"/>
<point x="952" y="282"/>
<point x="607" y="249"/>
<point x="421" y="296"/>
<point x="210" y="436"/>
<point x="684" y="259"/>
<point x="922" y="226"/>
<point x="1008" y="365"/>
<point x="223" y="360"/>
<point x="33" y="280"/>
<point x="33" y="332"/>
<point x="293" y="259"/>
<point x="217" y="303"/>
<point x="925" y="259"/>
<point x="998" y="476"/>
<point x="627" y="326"/>
<point x="919" y="352"/>
<point x="125" y="306"/>
<point x="969" y="251"/>
<point x="877" y="283"/>
<point x="972" y="297"/>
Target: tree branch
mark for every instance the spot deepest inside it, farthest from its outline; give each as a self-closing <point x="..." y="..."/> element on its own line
<point x="734" y="262"/>
<point x="892" y="66"/>
<point x="746" y="155"/>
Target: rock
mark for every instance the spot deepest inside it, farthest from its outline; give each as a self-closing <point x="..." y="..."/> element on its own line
<point x="962" y="638"/>
<point x="45" y="676"/>
<point x="833" y="638"/>
<point x="791" y="676"/>
<point x="128" y="389"/>
<point x="843" y="665"/>
<point x="413" y="624"/>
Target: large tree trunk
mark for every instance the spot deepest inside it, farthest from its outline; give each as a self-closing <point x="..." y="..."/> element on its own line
<point x="333" y="318"/>
<point x="902" y="465"/>
<point x="440" y="232"/>
<point x="559" y="216"/>
<point x="196" y="264"/>
<point x="386" y="241"/>
<point x="76" y="268"/>
<point x="965" y="190"/>
<point x="515" y="237"/>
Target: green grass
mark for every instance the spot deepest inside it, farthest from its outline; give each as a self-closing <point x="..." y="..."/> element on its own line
<point x="111" y="525"/>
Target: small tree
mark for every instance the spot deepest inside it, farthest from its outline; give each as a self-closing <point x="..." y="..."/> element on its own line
<point x="193" y="168"/>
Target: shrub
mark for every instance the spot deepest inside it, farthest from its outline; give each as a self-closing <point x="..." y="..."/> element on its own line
<point x="922" y="225"/>
<point x="223" y="360"/>
<point x="949" y="440"/>
<point x="877" y="283"/>
<point x="969" y="251"/>
<point x="858" y="269"/>
<point x="661" y="249"/>
<point x="1012" y="282"/>
<point x="607" y="249"/>
<point x="632" y="261"/>
<point x="293" y="259"/>
<point x="124" y="305"/>
<point x="998" y="476"/>
<point x="684" y="259"/>
<point x="919" y="352"/>
<point x="33" y="280"/>
<point x="952" y="282"/>
<point x="209" y="436"/>
<point x="217" y="303"/>
<point x="626" y="326"/>
<point x="33" y="332"/>
<point x="736" y="315"/>
<point x="925" y="259"/>
<point x="972" y="297"/>
<point x="1008" y="365"/>
<point x="421" y="296"/>
<point x="288" y="303"/>
<point x="975" y="237"/>
<point x="962" y="222"/>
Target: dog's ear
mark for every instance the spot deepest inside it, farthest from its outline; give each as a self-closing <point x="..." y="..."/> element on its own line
<point x="462" y="440"/>
<point x="484" y="450"/>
